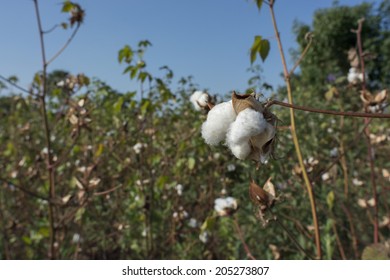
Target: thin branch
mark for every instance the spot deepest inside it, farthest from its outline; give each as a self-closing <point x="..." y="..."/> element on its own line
<point x="241" y="236"/>
<point x="108" y="191"/>
<point x="366" y="121"/>
<point x="328" y="112"/>
<point x="14" y="84"/>
<point x="310" y="38"/>
<point x="51" y="29"/>
<point x="65" y="45"/>
<point x="352" y="230"/>
<point x="295" y="137"/>
<point x="23" y="189"/>
<point x="307" y="254"/>
<point x="49" y="163"/>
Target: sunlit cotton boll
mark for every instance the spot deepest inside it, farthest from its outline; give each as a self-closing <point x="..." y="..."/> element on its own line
<point x="138" y="147"/>
<point x="224" y="206"/>
<point x="219" y="118"/>
<point x="193" y="223"/>
<point x="199" y="99"/>
<point x="248" y="123"/>
<point x="204" y="236"/>
<point x="354" y="76"/>
<point x="179" y="189"/>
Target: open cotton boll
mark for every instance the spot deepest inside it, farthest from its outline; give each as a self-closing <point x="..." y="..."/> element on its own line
<point x="355" y="76"/>
<point x="219" y="118"/>
<point x="248" y="123"/>
<point x="240" y="150"/>
<point x="260" y="140"/>
<point x="198" y="99"/>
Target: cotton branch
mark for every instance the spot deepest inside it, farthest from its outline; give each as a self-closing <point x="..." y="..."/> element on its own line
<point x="328" y="112"/>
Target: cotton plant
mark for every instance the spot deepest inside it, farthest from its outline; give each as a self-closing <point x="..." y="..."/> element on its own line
<point x="247" y="128"/>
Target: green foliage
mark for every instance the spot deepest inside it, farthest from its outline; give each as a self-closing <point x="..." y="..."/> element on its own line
<point x="333" y="38"/>
<point x="260" y="46"/>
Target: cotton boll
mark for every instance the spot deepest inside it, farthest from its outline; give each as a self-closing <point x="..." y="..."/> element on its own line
<point x="194" y="97"/>
<point x="199" y="99"/>
<point x="352" y="75"/>
<point x="219" y="118"/>
<point x="248" y="123"/>
<point x="355" y="76"/>
<point x="203" y="100"/>
<point x="240" y="150"/>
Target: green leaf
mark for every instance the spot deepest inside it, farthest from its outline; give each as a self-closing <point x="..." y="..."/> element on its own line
<point x="144" y="43"/>
<point x="128" y="69"/>
<point x="125" y="54"/>
<point x="99" y="150"/>
<point x="191" y="163"/>
<point x="67" y="7"/>
<point x="27" y="240"/>
<point x="144" y="107"/>
<point x="79" y="214"/>
<point x="118" y="105"/>
<point x="255" y="48"/>
<point x="376" y="252"/>
<point x="37" y="79"/>
<point x="64" y="25"/>
<point x="341" y="80"/>
<point x="330" y="200"/>
<point x="44" y="231"/>
<point x="259" y="3"/>
<point x="264" y="49"/>
<point x="329" y="94"/>
<point x="208" y="223"/>
<point x="133" y="72"/>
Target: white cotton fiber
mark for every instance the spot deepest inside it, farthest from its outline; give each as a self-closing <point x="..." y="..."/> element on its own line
<point x="219" y="118"/>
<point x="203" y="100"/>
<point x="198" y="99"/>
<point x="240" y="150"/>
<point x="249" y="123"/>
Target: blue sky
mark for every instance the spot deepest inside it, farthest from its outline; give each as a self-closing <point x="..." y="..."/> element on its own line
<point x="209" y="39"/>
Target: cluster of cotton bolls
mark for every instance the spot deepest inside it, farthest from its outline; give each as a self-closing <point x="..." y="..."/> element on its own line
<point x="244" y="125"/>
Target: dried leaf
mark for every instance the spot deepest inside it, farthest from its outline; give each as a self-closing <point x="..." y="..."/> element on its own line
<point x="353" y="58"/>
<point x="258" y="195"/>
<point x="73" y="119"/>
<point x="66" y="198"/>
<point x="94" y="182"/>
<point x="385" y="173"/>
<point x="242" y="102"/>
<point x="264" y="197"/>
<point x="381" y="96"/>
<point x="270" y="189"/>
<point x="385" y="222"/>
<point x="275" y="251"/>
<point x="366" y="97"/>
<point x="362" y="203"/>
<point x="371" y="202"/>
<point x="81" y="102"/>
